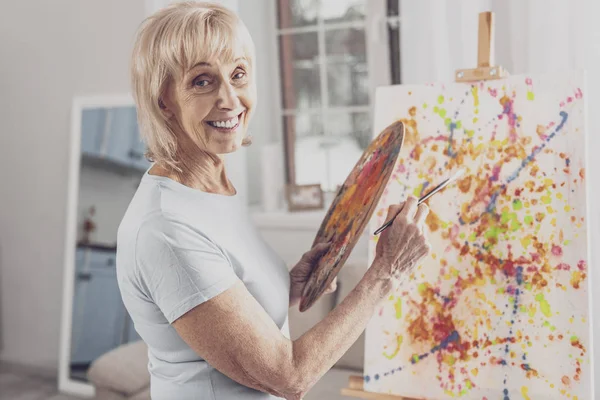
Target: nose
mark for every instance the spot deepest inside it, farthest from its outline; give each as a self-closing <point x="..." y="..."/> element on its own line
<point x="227" y="98"/>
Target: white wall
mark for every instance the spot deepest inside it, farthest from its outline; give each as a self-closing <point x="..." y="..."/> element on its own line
<point x="61" y="49"/>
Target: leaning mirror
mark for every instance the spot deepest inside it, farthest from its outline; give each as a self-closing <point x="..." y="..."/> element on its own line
<point x="106" y="164"/>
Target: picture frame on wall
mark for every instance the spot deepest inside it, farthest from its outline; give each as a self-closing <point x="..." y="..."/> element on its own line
<point x="304" y="197"/>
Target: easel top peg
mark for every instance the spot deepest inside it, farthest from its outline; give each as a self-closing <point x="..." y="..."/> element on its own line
<point x="486" y="70"/>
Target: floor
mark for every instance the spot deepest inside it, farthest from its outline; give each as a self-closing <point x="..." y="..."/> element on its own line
<point x="18" y="383"/>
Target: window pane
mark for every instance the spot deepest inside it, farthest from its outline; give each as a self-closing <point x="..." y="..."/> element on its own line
<point x="307" y="131"/>
<point x="347" y="67"/>
<point x="356" y="126"/>
<point x="294" y="13"/>
<point x="393" y="8"/>
<point x="333" y="11"/>
<point x="302" y="125"/>
<point x="301" y="84"/>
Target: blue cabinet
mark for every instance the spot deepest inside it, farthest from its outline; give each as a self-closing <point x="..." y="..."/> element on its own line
<point x="93" y="127"/>
<point x="100" y="321"/>
<point x="113" y="134"/>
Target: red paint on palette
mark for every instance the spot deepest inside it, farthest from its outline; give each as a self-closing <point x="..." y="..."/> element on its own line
<point x="352" y="208"/>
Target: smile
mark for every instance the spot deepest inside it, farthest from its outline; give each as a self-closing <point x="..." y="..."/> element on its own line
<point x="227" y="124"/>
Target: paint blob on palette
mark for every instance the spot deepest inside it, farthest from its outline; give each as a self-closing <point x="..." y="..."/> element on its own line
<point x="500" y="307"/>
<point x="352" y="208"/>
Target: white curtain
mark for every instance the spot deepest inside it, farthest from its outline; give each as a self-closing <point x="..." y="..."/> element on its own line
<point x="532" y="36"/>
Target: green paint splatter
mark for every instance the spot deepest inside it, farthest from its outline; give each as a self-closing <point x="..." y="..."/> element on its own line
<point x="462" y="235"/>
<point x="517" y="204"/>
<point x="574" y="339"/>
<point x="470" y="132"/>
<point x="528" y="219"/>
<point x="492" y="233"/>
<point x="458" y="124"/>
<point x="425" y="105"/>
<point x="440" y="99"/>
<point x="422" y="288"/>
<point x="515" y="225"/>
<point x="528" y="286"/>
<point x="415" y="358"/>
<point x="472" y="237"/>
<point x="398" y="307"/>
<point x="544" y="305"/>
<point x="530" y="96"/>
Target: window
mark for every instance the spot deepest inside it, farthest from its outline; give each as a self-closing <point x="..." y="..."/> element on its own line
<point x="325" y="83"/>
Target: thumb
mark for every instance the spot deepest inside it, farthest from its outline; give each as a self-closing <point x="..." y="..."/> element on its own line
<point x="318" y="250"/>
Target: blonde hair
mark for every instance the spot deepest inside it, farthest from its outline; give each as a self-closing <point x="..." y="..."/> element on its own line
<point x="168" y="42"/>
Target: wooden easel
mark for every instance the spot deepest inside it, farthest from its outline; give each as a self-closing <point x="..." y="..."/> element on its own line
<point x="486" y="70"/>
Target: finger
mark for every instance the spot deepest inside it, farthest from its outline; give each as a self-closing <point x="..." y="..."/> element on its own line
<point x="393" y="210"/>
<point x="409" y="208"/>
<point x="332" y="286"/>
<point x="422" y="212"/>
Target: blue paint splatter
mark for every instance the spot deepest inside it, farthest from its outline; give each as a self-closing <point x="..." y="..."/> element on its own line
<point x="524" y="163"/>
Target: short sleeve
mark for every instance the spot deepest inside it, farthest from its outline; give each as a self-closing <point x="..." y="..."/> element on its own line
<point x="180" y="267"/>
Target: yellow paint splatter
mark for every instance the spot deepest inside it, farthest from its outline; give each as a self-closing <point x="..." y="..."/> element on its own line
<point x="398" y="308"/>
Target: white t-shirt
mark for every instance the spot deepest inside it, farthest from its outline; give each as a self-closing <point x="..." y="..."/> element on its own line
<point x="178" y="247"/>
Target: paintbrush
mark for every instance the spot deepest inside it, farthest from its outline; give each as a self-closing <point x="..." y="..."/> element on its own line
<point x="427" y="196"/>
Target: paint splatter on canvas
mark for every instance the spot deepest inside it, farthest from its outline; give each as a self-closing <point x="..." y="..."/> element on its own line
<point x="352" y="209"/>
<point x="500" y="308"/>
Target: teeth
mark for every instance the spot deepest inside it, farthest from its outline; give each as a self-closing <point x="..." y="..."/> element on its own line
<point x="230" y="123"/>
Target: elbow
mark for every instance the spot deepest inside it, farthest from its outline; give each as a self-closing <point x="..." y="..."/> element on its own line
<point x="296" y="387"/>
<point x="295" y="381"/>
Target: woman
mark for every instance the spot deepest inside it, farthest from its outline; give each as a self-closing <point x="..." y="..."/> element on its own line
<point x="206" y="294"/>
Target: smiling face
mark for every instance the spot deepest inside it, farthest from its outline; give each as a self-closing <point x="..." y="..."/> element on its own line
<point x="212" y="102"/>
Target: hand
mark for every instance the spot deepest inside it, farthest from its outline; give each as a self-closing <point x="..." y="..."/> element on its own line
<point x="403" y="244"/>
<point x="301" y="271"/>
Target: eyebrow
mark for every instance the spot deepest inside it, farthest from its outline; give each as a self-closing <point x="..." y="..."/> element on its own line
<point x="207" y="64"/>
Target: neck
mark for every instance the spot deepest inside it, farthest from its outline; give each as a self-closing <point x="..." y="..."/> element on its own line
<point x="199" y="170"/>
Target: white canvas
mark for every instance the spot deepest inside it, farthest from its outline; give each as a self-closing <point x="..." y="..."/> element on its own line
<point x="500" y="308"/>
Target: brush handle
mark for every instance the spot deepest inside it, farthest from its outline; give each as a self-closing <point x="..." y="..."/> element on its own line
<point x="422" y="199"/>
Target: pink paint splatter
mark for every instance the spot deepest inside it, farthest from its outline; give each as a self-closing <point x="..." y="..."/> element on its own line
<point x="401" y="168"/>
<point x="578" y="93"/>
<point x="528" y="81"/>
<point x="569" y="99"/>
<point x="563" y="267"/>
<point x="582" y="265"/>
<point x="557" y="250"/>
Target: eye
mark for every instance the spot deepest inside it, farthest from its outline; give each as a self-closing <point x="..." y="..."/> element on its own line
<point x="201" y="82"/>
<point x="239" y="74"/>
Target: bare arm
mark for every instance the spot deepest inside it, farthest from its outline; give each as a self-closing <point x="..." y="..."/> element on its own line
<point x="239" y="338"/>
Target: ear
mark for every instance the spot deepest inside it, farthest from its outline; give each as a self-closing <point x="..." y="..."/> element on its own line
<point x="166" y="111"/>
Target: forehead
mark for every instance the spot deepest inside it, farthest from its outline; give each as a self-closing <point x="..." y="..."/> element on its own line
<point x="223" y="46"/>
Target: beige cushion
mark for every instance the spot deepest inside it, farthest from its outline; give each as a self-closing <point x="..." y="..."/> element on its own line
<point x="106" y="394"/>
<point x="122" y="370"/>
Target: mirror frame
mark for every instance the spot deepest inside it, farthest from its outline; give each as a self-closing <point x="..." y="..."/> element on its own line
<point x="80" y="103"/>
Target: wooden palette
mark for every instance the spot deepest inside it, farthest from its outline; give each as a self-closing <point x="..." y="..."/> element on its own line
<point x="352" y="208"/>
